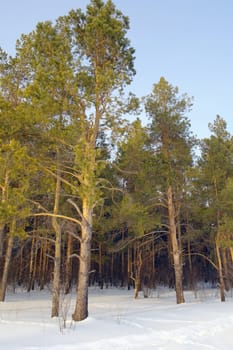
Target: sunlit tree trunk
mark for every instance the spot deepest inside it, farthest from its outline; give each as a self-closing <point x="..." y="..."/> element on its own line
<point x="136" y="274"/>
<point x="225" y="269"/>
<point x="220" y="273"/>
<point x="81" y="307"/>
<point x="175" y="248"/>
<point x="10" y="241"/>
<point x="57" y="257"/>
<point x="1" y="240"/>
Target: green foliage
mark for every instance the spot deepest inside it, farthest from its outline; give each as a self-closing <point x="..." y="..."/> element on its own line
<point x="215" y="164"/>
<point x="225" y="237"/>
<point x="213" y="185"/>
<point x="136" y="172"/>
<point x="16" y="174"/>
<point x="170" y="129"/>
<point x="135" y="216"/>
<point x="100" y="38"/>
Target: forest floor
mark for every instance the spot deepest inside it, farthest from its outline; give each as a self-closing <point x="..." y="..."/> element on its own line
<point x="118" y="321"/>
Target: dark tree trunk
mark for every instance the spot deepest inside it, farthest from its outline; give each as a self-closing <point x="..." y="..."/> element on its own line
<point x="68" y="269"/>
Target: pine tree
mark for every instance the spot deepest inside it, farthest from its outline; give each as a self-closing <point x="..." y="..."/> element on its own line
<point x="171" y="140"/>
<point x="215" y="170"/>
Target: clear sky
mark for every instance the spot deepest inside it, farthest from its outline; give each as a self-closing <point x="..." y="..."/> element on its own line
<point x="189" y="42"/>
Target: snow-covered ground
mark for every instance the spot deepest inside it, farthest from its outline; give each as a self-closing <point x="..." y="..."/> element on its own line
<point x="117" y="321"/>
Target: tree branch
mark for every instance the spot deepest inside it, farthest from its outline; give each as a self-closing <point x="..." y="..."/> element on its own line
<point x="206" y="258"/>
<point x="74" y="235"/>
<point x="76" y="207"/>
<point x="39" y="206"/>
<point x="59" y="217"/>
<point x="59" y="177"/>
<point x="74" y="256"/>
<point x="50" y="256"/>
<point x="125" y="171"/>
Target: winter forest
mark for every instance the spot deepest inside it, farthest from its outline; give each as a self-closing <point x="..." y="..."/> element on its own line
<point x="99" y="187"/>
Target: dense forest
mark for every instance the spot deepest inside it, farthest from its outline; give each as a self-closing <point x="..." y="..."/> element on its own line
<point x="90" y="194"/>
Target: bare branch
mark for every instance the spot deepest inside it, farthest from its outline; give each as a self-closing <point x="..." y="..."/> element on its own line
<point x="50" y="256"/>
<point x="72" y="174"/>
<point x="206" y="258"/>
<point x="39" y="206"/>
<point x="123" y="244"/>
<point x="113" y="188"/>
<point x="59" y="177"/>
<point x="47" y="239"/>
<point x="74" y="256"/>
<point x="77" y="208"/>
<point x="74" y="235"/>
<point x="125" y="171"/>
<point x="68" y="218"/>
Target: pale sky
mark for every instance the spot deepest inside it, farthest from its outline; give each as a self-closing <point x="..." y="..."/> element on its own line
<point x="189" y="42"/>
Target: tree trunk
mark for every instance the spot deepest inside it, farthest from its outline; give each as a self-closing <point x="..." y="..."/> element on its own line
<point x="153" y="263"/>
<point x="1" y="240"/>
<point x="191" y="281"/>
<point x="220" y="272"/>
<point x="137" y="270"/>
<point x="218" y="251"/>
<point x="231" y="253"/>
<point x="57" y="257"/>
<point x="123" y="275"/>
<point x="3" y="284"/>
<point x="129" y="267"/>
<point x="227" y="282"/>
<point x="20" y="266"/>
<point x="31" y="263"/>
<point x="81" y="307"/>
<point x="101" y="280"/>
<point x="56" y="276"/>
<point x="68" y="269"/>
<point x="175" y="249"/>
<point x="43" y="262"/>
<point x="35" y="265"/>
<point x="112" y="270"/>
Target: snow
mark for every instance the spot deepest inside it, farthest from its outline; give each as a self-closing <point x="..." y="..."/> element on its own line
<point x="118" y="321"/>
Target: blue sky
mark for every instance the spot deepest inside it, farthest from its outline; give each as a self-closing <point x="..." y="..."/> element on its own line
<point x="189" y="42"/>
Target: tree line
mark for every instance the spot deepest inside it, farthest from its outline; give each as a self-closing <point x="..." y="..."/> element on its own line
<point x="88" y="197"/>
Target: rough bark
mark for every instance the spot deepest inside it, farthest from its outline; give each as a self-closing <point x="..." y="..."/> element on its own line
<point x="32" y="264"/>
<point x="1" y="240"/>
<point x="3" y="284"/>
<point x="176" y="253"/>
<point x="81" y="307"/>
<point x="57" y="257"/>
<point x="137" y="271"/>
<point x="226" y="274"/>
<point x="68" y="268"/>
<point x="191" y="281"/>
<point x="43" y="263"/>
<point x="220" y="273"/>
<point x="231" y="253"/>
<point x="101" y="281"/>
